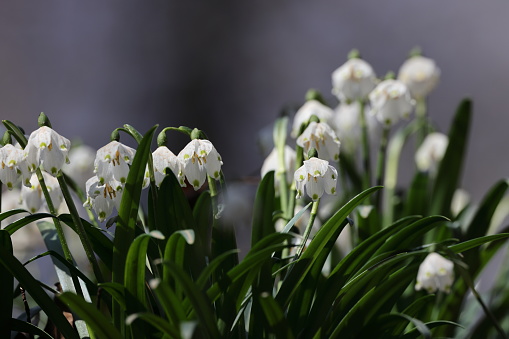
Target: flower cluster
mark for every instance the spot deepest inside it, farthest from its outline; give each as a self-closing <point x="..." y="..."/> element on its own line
<point x="435" y="273"/>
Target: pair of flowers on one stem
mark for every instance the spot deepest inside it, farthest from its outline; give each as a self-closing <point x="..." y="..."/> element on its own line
<point x="195" y="162"/>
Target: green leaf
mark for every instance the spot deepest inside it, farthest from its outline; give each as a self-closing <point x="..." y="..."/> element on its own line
<point x="134" y="276"/>
<point x="116" y="290"/>
<point x="16" y="132"/>
<point x="263" y="209"/>
<point x="170" y="302"/>
<point x="296" y="217"/>
<point x="158" y="322"/>
<point x="10" y="213"/>
<point x="100" y="325"/>
<point x="7" y="288"/>
<point x="175" y="251"/>
<point x="473" y="243"/>
<point x="25" y="221"/>
<point x="275" y="317"/>
<point x="449" y="170"/>
<point x="24" y="327"/>
<point x="15" y="268"/>
<point x="418" y="195"/>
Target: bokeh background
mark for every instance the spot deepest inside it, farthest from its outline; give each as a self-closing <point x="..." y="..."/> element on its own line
<point x="229" y="67"/>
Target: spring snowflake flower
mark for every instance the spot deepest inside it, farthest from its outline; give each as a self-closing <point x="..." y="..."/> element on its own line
<point x="112" y="163"/>
<point x="435" y="273"/>
<point x="13" y="166"/>
<point x="48" y="149"/>
<point x="271" y="164"/>
<point x="431" y="151"/>
<point x="320" y="136"/>
<point x="33" y="197"/>
<point x="317" y="176"/>
<point x="420" y="74"/>
<point x="310" y="108"/>
<point x="200" y="159"/>
<point x="354" y="80"/>
<point x="163" y="159"/>
<point x="391" y="101"/>
<point x="103" y="197"/>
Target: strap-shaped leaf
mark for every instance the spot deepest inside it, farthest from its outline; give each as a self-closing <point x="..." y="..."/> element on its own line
<point x="25" y="221"/>
<point x="7" y="288"/>
<point x="158" y="322"/>
<point x="275" y="317"/>
<point x="263" y="209"/>
<point x="24" y="327"/>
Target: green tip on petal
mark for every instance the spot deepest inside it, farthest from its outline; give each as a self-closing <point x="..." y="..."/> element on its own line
<point x="43" y="120"/>
<point x="315" y="196"/>
<point x="54" y="170"/>
<point x="216" y="174"/>
<point x="333" y="190"/>
<point x="196" y="183"/>
<point x="9" y="185"/>
<point x="102" y="215"/>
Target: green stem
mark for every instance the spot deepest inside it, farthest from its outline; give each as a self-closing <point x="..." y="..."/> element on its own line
<point x="79" y="227"/>
<point x="283" y="186"/>
<point x="422" y="116"/>
<point x="366" y="161"/>
<point x="309" y="227"/>
<point x="299" y="159"/>
<point x="381" y="163"/>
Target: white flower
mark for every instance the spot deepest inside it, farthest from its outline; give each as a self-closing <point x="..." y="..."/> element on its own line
<point x="102" y="197"/>
<point x="271" y="164"/>
<point x="310" y="108"/>
<point x="431" y="151"/>
<point x="163" y="158"/>
<point x="13" y="165"/>
<point x="435" y="273"/>
<point x="320" y="136"/>
<point x="347" y="125"/>
<point x="81" y="165"/>
<point x="420" y="74"/>
<point x="317" y="176"/>
<point x="391" y="101"/>
<point x="200" y="159"/>
<point x="112" y="163"/>
<point x="33" y="197"/>
<point x="354" y="80"/>
<point x="460" y="200"/>
<point x="48" y="149"/>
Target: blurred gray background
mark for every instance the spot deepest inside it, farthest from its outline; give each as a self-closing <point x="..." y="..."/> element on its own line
<point x="229" y="67"/>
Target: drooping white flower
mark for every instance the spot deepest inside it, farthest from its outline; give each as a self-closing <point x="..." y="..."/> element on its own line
<point x="431" y="151"/>
<point x="200" y="159"/>
<point x="420" y="74"/>
<point x="102" y="198"/>
<point x="81" y="165"/>
<point x="435" y="273"/>
<point x="112" y="162"/>
<point x="317" y="177"/>
<point x="391" y="101"/>
<point x="354" y="80"/>
<point x="33" y="197"/>
<point x="13" y="165"/>
<point x="310" y="108"/>
<point x="163" y="159"/>
<point x="272" y="161"/>
<point x="346" y="123"/>
<point x="320" y="136"/>
<point x="48" y="149"/>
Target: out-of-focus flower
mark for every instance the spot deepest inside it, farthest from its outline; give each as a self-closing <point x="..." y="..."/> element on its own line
<point x="460" y="200"/>
<point x="310" y="108"/>
<point x="391" y="101"/>
<point x="346" y="123"/>
<point x="317" y="176"/>
<point x="48" y="149"/>
<point x="81" y="166"/>
<point x="271" y="164"/>
<point x="420" y="74"/>
<point x="33" y="197"/>
<point x="431" y="151"/>
<point x="435" y="273"/>
<point x="12" y="166"/>
<point x="319" y="135"/>
<point x="200" y="159"/>
<point x="112" y="162"/>
<point x="102" y="197"/>
<point x="163" y="159"/>
<point x="354" y="80"/>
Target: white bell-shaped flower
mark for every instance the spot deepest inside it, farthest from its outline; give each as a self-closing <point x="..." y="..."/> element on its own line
<point x="102" y="198"/>
<point x="435" y="273"/>
<point x="163" y="159"/>
<point x="200" y="159"/>
<point x="112" y="162"/>
<point x="271" y="163"/>
<point x="431" y="151"/>
<point x="48" y="149"/>
<point x="420" y="74"/>
<point x="317" y="177"/>
<point x="354" y="80"/>
<point x="310" y="108"/>
<point x="319" y="135"/>
<point x="33" y="197"/>
<point x="13" y="165"/>
<point x="391" y="101"/>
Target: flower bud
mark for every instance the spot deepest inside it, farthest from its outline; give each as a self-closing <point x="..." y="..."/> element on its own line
<point x="420" y="74"/>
